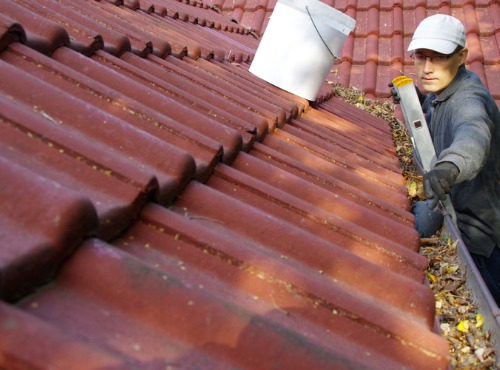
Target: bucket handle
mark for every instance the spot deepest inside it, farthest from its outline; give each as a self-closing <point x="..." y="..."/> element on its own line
<point x="316" y="28"/>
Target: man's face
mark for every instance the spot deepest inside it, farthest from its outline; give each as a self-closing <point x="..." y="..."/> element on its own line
<point x="437" y="72"/>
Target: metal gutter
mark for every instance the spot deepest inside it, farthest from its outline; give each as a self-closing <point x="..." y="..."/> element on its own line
<point x="480" y="292"/>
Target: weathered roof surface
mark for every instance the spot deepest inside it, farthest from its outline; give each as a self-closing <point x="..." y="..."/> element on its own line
<point x="163" y="207"/>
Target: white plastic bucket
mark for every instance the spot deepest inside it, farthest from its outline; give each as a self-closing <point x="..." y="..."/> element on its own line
<point x="295" y="52"/>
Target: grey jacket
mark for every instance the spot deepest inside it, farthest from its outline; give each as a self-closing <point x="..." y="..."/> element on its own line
<point x="464" y="122"/>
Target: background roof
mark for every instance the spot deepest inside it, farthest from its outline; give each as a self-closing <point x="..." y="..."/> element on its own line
<point x="375" y="52"/>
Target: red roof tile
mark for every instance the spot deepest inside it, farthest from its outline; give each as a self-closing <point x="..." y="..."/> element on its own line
<point x="115" y="201"/>
<point x="36" y="235"/>
<point x="187" y="213"/>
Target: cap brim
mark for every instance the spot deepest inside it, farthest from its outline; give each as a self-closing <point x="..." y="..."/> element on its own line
<point x="441" y="46"/>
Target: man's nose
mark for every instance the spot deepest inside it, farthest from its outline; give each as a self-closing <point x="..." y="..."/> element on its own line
<point x="428" y="66"/>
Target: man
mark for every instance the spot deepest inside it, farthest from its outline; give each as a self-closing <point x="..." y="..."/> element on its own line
<point x="464" y="122"/>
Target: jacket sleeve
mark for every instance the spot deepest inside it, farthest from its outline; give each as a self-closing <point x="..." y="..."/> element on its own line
<point x="471" y="136"/>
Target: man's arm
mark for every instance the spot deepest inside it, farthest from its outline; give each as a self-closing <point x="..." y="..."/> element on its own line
<point x="472" y="130"/>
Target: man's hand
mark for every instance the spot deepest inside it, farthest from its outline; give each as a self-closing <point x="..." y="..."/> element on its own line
<point x="396" y="99"/>
<point x="395" y="96"/>
<point x="438" y="182"/>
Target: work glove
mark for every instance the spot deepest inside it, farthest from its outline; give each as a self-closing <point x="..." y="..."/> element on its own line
<point x="438" y="182"/>
<point x="396" y="99"/>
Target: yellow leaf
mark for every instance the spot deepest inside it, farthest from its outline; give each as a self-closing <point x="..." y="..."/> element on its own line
<point x="479" y="320"/>
<point x="432" y="277"/>
<point x="452" y="269"/>
<point x="463" y="326"/>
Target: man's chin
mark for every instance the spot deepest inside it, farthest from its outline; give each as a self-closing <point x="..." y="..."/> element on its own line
<point x="429" y="87"/>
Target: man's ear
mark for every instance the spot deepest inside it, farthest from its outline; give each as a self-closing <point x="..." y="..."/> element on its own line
<point x="463" y="56"/>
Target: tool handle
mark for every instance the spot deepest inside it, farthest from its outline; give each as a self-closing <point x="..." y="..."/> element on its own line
<point x="419" y="132"/>
<point x="415" y="121"/>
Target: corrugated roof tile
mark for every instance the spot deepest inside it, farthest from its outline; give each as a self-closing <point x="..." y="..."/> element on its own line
<point x="42" y="34"/>
<point x="143" y="81"/>
<point x="342" y="227"/>
<point x="82" y="38"/>
<point x="349" y="155"/>
<point x="193" y="87"/>
<point x="73" y="351"/>
<point x="116" y="202"/>
<point x="262" y="227"/>
<point x="113" y="136"/>
<point x="115" y="42"/>
<point x="276" y="111"/>
<point x="30" y="259"/>
<point x="10" y="32"/>
<point x="148" y="33"/>
<point x="248" y="311"/>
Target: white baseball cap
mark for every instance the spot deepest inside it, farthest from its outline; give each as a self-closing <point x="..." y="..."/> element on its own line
<point x="439" y="32"/>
